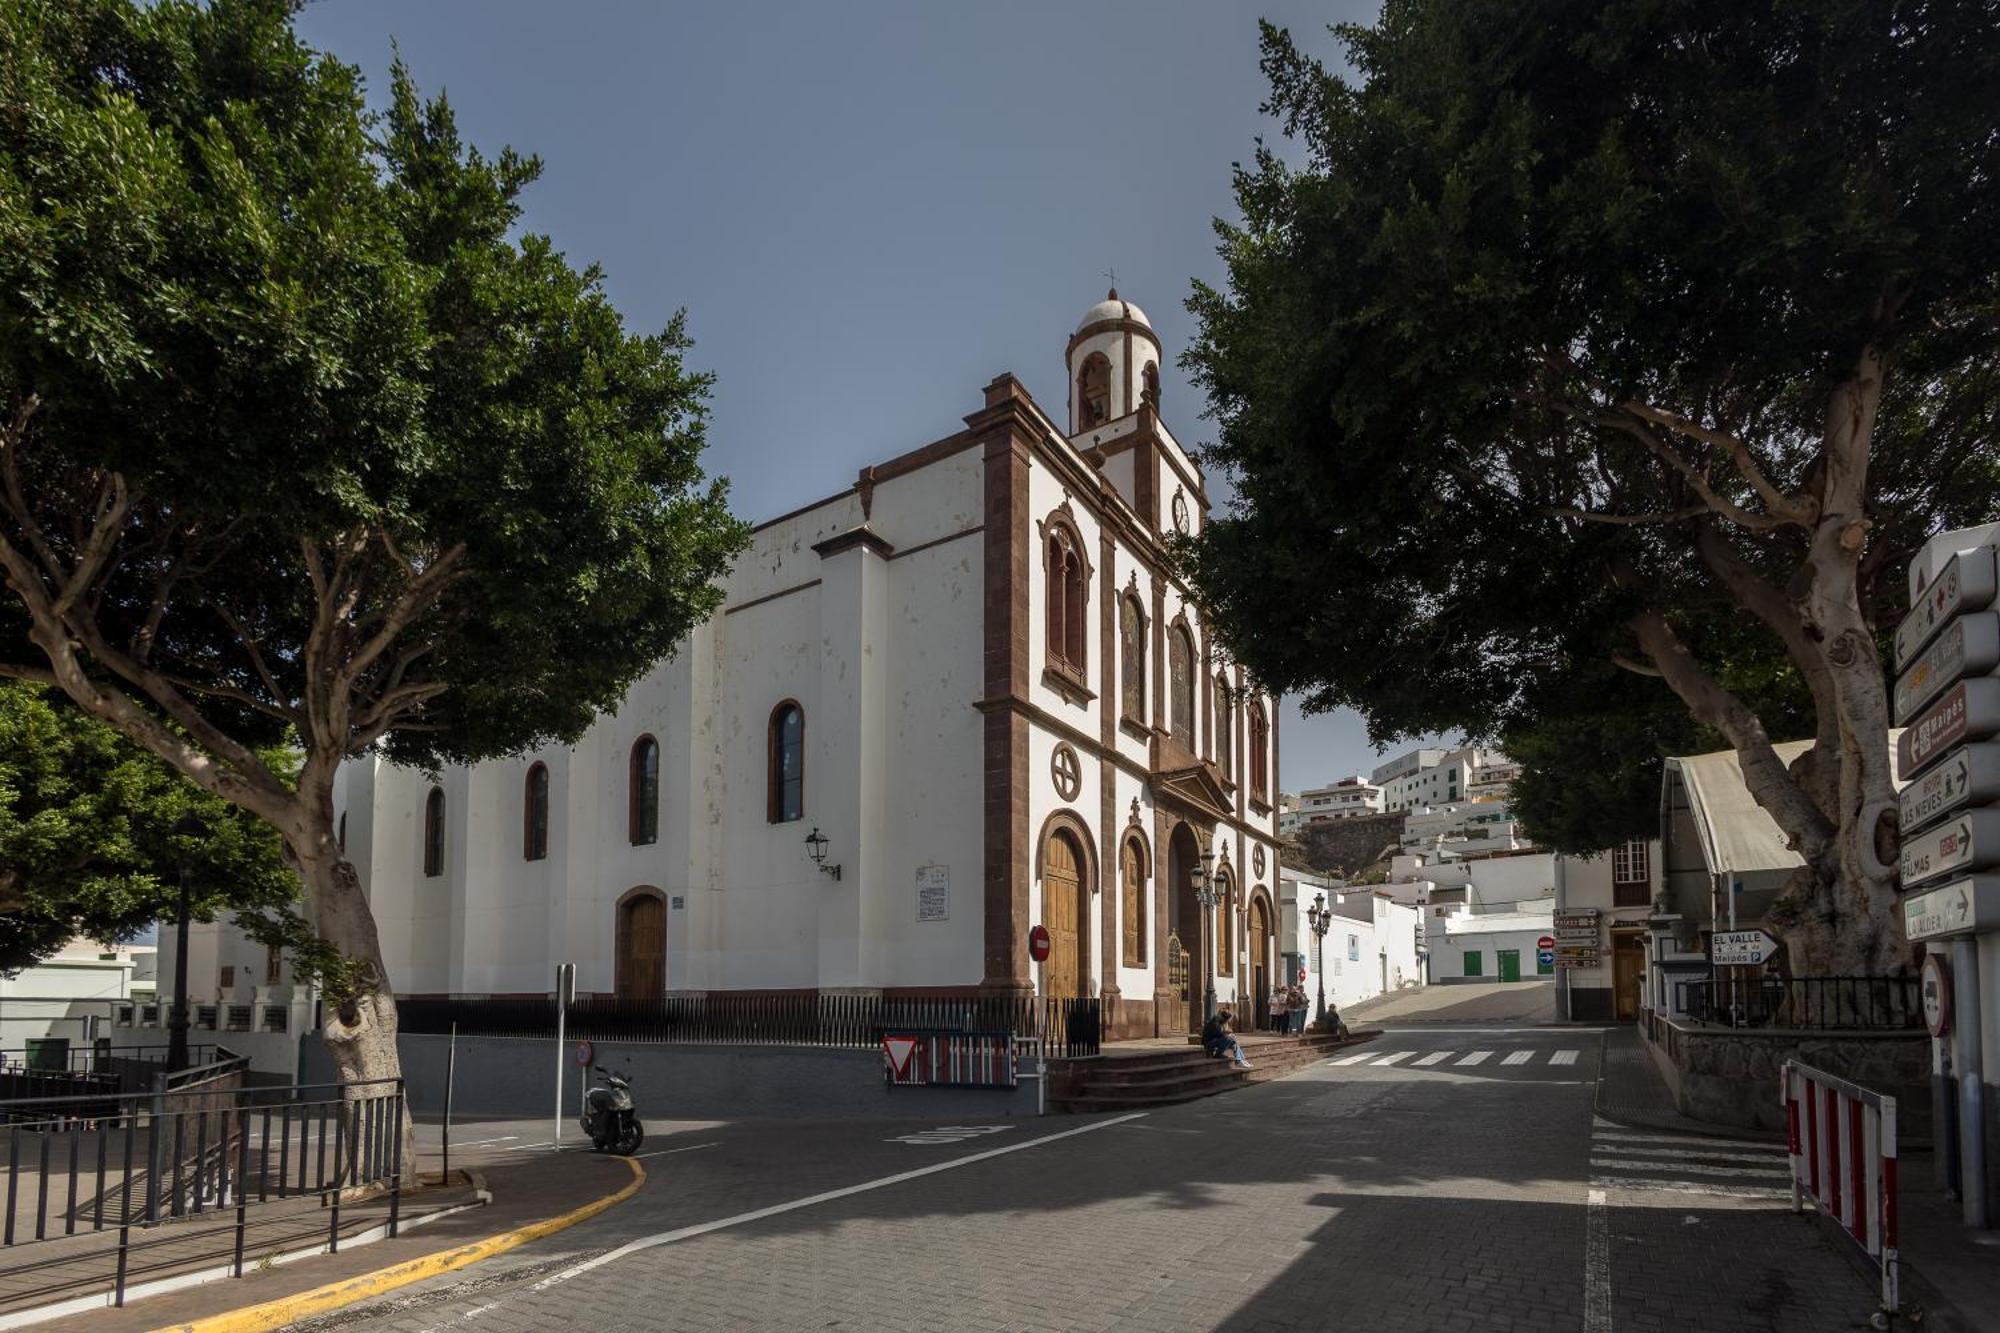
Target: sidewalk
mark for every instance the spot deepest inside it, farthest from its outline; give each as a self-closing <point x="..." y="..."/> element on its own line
<point x="525" y="1188"/>
<point x="1630" y="1091"/>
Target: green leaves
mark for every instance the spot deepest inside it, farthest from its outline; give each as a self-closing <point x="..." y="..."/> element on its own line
<point x="91" y="837"/>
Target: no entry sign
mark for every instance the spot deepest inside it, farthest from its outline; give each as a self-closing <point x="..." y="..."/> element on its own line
<point x="1546" y="942"/>
<point x="1038" y="944"/>
<point x="584" y="1052"/>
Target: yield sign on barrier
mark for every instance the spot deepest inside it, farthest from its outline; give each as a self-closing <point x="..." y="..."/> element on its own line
<point x="899" y="1050"/>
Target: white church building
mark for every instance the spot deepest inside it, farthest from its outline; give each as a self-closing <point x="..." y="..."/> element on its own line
<point x="963" y="696"/>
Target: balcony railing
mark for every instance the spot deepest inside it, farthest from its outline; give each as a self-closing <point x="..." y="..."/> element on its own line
<point x="1868" y="1003"/>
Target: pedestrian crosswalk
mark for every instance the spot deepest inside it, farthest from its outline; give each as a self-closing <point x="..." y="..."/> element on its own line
<point x="1514" y="1059"/>
<point x="1644" y="1161"/>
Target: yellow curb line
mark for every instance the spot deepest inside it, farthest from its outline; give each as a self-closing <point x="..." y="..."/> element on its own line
<point x="290" y="1309"/>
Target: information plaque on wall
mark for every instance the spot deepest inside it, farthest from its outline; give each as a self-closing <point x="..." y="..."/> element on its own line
<point x="933" y="893"/>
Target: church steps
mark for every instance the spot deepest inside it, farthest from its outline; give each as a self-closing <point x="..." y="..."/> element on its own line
<point x="1169" y="1078"/>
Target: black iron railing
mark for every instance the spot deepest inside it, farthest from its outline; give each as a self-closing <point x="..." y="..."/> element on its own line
<point x="123" y="1164"/>
<point x="1073" y="1027"/>
<point x="1817" y="1003"/>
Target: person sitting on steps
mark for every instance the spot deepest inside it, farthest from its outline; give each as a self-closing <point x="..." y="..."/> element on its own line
<point x="1219" y="1041"/>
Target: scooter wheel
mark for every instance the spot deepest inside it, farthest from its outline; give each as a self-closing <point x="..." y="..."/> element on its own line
<point x="629" y="1141"/>
<point x="601" y="1145"/>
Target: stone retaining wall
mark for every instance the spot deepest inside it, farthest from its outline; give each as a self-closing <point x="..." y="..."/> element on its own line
<point x="1729" y="1076"/>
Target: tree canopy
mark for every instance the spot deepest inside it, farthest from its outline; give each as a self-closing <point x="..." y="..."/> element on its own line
<point x="301" y="433"/>
<point x="1641" y="337"/>
<point x="95" y="834"/>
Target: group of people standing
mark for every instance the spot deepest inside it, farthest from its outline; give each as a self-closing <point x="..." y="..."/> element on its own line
<point x="1289" y="1009"/>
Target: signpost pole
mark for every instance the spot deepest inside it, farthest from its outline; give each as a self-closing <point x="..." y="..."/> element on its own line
<point x="565" y="982"/>
<point x="450" y="1076"/>
<point x="1969" y="1064"/>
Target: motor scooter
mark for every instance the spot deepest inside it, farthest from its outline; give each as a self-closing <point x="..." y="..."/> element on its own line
<point x="608" y="1115"/>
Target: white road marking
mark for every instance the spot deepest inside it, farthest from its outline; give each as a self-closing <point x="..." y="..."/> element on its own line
<point x="812" y="1200"/>
<point x="1435" y="1057"/>
<point x="477" y="1143"/>
<point x="1689" y="1187"/>
<point x="1352" y="1059"/>
<point x="1689" y="1140"/>
<point x="1563" y="1057"/>
<point x="1476" y="1058"/>
<point x="668" y="1152"/>
<point x="1392" y="1059"/>
<point x="1596" y="1264"/>
<point x="1684" y="1154"/>
<point x="1518" y="1057"/>
<point x="1699" y="1168"/>
<point x="948" y="1134"/>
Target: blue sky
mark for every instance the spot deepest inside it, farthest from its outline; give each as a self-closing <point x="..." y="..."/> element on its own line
<point x="868" y="209"/>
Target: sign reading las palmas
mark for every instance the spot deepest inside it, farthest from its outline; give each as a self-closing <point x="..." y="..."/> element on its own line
<point x="1969" y="841"/>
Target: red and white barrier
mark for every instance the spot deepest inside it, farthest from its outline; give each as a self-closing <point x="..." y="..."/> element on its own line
<point x="1843" y="1154"/>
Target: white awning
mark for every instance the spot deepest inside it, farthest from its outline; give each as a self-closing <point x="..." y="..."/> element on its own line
<point x="1736" y="835"/>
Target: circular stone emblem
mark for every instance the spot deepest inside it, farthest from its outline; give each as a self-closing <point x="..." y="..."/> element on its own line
<point x="1067" y="771"/>
<point x="1257" y="859"/>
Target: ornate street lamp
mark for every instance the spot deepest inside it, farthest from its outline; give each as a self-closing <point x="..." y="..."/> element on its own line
<point x="1205" y="894"/>
<point x="1319" y="916"/>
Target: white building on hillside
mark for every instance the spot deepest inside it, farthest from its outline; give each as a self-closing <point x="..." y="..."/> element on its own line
<point x="973" y="673"/>
<point x="1433" y="777"/>
<point x="1349" y="798"/>
<point x="1373" y="946"/>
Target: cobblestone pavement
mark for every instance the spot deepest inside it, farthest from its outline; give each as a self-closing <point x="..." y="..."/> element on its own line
<point x="1441" y="1180"/>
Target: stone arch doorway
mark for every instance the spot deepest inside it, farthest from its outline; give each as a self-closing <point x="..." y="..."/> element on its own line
<point x="640" y="972"/>
<point x="1261" y="977"/>
<point x="1187" y="932"/>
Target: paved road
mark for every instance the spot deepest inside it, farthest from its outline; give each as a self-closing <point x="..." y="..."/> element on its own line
<point x="1469" y="1002"/>
<point x="1444" y="1179"/>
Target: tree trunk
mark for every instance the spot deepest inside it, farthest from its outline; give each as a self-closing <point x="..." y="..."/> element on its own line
<point x="359" y="1026"/>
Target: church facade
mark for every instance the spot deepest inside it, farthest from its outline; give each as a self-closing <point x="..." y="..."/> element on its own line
<point x="964" y="696"/>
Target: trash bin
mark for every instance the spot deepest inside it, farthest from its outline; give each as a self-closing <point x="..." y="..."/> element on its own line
<point x="48" y="1054"/>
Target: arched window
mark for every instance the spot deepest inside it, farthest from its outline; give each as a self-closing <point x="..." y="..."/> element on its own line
<point x="1259" y="758"/>
<point x="1132" y="647"/>
<point x="535" y="814"/>
<point x="1093" y="392"/>
<point x="434" y="833"/>
<point x="1225" y="726"/>
<point x="643" y="787"/>
<point x="1149" y="386"/>
<point x="1180" y="686"/>
<point x="1068" y="600"/>
<point x="786" y="794"/>
<point x="1225" y="929"/>
<point x="1132" y="899"/>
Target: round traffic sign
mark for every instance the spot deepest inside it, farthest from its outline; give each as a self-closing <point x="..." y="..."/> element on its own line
<point x="1038" y="944"/>
<point x="1302" y="975"/>
<point x="585" y="1052"/>
<point x="1547" y="958"/>
<point x="1936" y="990"/>
<point x="1546" y="942"/>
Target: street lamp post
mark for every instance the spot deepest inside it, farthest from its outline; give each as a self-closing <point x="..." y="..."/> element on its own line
<point x="1205" y="894"/>
<point x="1319" y="916"/>
<point x="186" y="829"/>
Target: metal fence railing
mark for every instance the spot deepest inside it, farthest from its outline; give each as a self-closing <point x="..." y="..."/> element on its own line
<point x="1841" y="1138"/>
<point x="124" y="1165"/>
<point x="1073" y="1027"/>
<point x="1869" y="1003"/>
<point x="96" y="1057"/>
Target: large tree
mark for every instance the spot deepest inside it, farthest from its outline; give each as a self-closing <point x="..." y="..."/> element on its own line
<point x="297" y="436"/>
<point x="1603" y="335"/>
<point x="96" y="835"/>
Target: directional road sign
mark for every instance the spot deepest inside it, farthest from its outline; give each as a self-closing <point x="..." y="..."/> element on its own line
<point x="1968" y="646"/>
<point x="1966" y="583"/>
<point x="1970" y="840"/>
<point x="1546" y="958"/>
<point x="1969" y="710"/>
<point x="1740" y="948"/>
<point x="1961" y="907"/>
<point x="1969" y="775"/>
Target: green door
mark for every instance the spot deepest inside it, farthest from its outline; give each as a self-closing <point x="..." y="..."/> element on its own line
<point x="1510" y="964"/>
<point x="1473" y="963"/>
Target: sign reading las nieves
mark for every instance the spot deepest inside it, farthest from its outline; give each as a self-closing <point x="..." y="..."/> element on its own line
<point x="1969" y="775"/>
<point x="1969" y="840"/>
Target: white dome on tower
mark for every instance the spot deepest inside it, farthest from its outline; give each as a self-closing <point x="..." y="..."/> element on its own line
<point x="1111" y="307"/>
